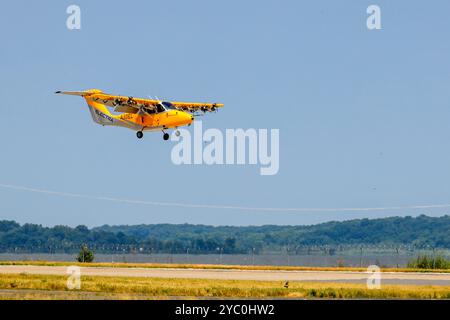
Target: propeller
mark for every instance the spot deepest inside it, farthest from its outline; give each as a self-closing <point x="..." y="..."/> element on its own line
<point x="117" y="102"/>
<point x="130" y="100"/>
<point x="159" y="101"/>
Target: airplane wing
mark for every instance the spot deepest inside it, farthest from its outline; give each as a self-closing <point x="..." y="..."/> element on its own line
<point x="197" y="106"/>
<point x="125" y="104"/>
<point x="138" y="105"/>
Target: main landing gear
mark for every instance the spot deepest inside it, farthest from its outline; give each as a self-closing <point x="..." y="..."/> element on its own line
<point x="140" y="134"/>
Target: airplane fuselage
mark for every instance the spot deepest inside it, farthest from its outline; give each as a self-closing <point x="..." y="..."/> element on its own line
<point x="166" y="119"/>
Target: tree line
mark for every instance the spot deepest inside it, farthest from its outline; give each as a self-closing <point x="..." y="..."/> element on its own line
<point x="419" y="232"/>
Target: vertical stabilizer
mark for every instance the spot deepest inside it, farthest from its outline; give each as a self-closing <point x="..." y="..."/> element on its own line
<point x="100" y="113"/>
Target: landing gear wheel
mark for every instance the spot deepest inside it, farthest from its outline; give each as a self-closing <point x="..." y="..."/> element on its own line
<point x="139" y="134"/>
<point x="177" y="133"/>
<point x="166" y="136"/>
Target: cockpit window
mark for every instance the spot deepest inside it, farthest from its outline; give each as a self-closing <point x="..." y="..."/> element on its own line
<point x="160" y="108"/>
<point x="168" y="105"/>
<point x="164" y="106"/>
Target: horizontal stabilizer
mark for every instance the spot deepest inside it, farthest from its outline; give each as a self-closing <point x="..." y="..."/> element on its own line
<point x="80" y="93"/>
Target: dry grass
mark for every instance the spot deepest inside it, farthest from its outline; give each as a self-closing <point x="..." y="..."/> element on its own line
<point x="208" y="266"/>
<point x="25" y="286"/>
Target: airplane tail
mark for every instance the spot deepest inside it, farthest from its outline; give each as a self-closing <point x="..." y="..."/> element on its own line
<point x="99" y="112"/>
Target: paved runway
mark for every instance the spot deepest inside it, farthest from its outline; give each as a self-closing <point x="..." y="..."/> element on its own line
<point x="259" y="275"/>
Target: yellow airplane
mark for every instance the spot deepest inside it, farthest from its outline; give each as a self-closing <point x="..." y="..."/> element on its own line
<point x="141" y="114"/>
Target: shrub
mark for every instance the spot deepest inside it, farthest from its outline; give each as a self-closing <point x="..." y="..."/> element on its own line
<point x="85" y="254"/>
<point x="429" y="262"/>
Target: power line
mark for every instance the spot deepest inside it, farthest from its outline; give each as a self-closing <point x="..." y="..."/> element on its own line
<point x="209" y="206"/>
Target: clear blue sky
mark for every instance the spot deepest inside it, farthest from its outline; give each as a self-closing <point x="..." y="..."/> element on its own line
<point x="364" y="116"/>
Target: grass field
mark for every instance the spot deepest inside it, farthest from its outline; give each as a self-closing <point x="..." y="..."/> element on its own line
<point x="209" y="266"/>
<point x="26" y="286"/>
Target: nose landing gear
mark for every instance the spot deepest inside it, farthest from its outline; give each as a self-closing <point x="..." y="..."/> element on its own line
<point x="166" y="136"/>
<point x="139" y="134"/>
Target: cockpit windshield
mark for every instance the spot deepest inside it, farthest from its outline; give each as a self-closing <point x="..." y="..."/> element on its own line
<point x="160" y="108"/>
<point x="168" y="105"/>
<point x="164" y="106"/>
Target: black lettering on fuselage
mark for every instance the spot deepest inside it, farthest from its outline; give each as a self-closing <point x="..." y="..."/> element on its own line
<point x="104" y="116"/>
